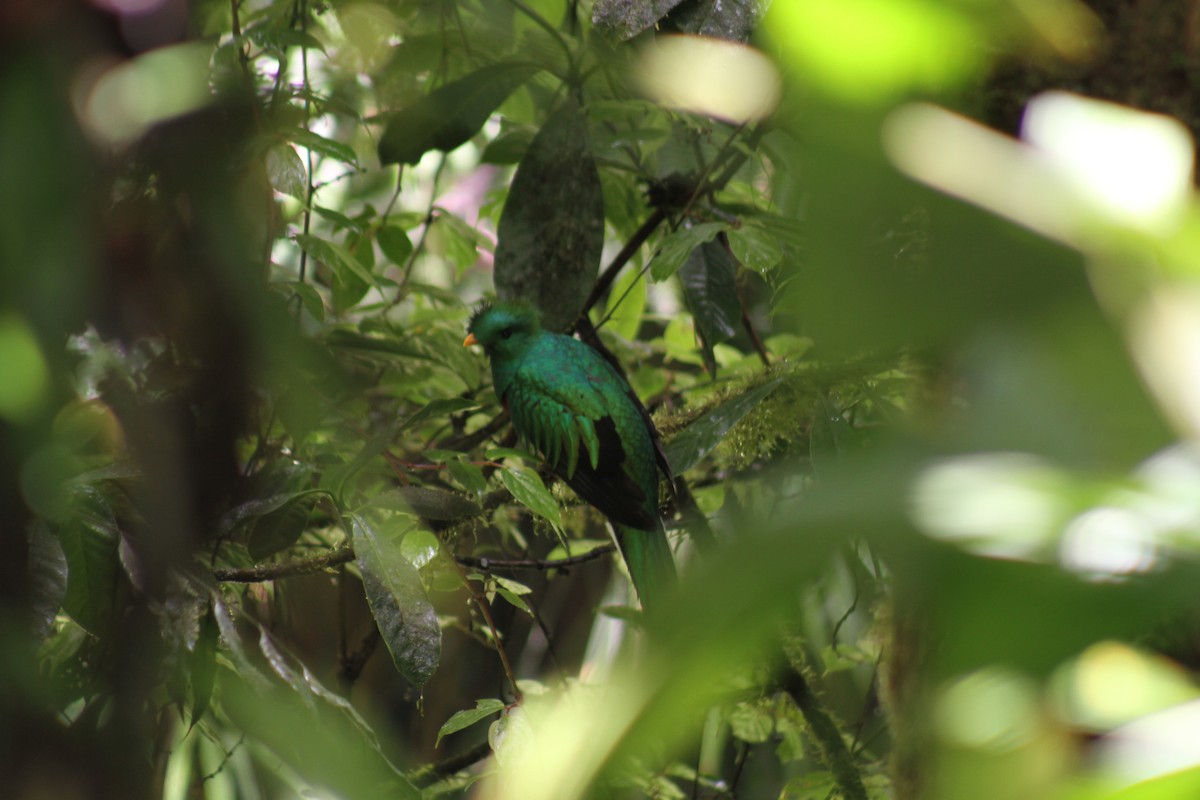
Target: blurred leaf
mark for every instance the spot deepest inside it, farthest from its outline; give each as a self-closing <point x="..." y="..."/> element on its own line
<point x="278" y="527"/>
<point x="308" y="296"/>
<point x="468" y="475"/>
<point x="709" y="281"/>
<point x="90" y="540"/>
<point x="439" y="407"/>
<point x="203" y="666"/>
<point x="465" y="719"/>
<point x="509" y="147"/>
<point x="626" y="303"/>
<point x="406" y="619"/>
<point x="286" y="171"/>
<point x="551" y="232"/>
<point x="530" y="492"/>
<point x="326" y="743"/>
<point x="334" y="256"/>
<point x="47" y="578"/>
<point x="755" y="247"/>
<point x="451" y="114"/>
<point x="676" y="246"/>
<point x="324" y="146"/>
<point x="696" y="440"/>
<point x="343" y="339"/>
<point x="395" y="244"/>
<point x="752" y="721"/>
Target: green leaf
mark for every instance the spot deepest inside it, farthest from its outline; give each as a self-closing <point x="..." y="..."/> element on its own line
<point x="752" y="721"/>
<point x="468" y="475"/>
<point x="420" y="547"/>
<point x="343" y="339"/>
<point x="90" y="542"/>
<point x="696" y="440"/>
<point x="626" y="303"/>
<point x="527" y="487"/>
<point x="709" y="281"/>
<point x="451" y="114"/>
<point x="334" y="256"/>
<point x="512" y="591"/>
<point x="286" y="171"/>
<point x="324" y="146"/>
<point x="755" y="248"/>
<point x="509" y="147"/>
<point x="551" y="232"/>
<point x="47" y="578"/>
<point x="675" y="247"/>
<point x="437" y="408"/>
<point x="465" y="719"/>
<point x="395" y="244"/>
<point x="402" y="611"/>
<point x="204" y="665"/>
<point x="309" y="297"/>
<point x="279" y="527"/>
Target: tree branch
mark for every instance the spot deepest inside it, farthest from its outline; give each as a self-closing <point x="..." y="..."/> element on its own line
<point x="829" y="739"/>
<point x="286" y="569"/>
<point x="535" y="563"/>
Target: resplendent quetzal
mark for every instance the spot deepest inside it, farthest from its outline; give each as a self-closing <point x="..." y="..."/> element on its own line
<point x="569" y="404"/>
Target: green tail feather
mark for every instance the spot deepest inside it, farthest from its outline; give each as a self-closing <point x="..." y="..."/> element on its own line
<point x="651" y="565"/>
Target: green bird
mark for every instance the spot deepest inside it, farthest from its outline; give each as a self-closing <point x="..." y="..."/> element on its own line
<point x="571" y="406"/>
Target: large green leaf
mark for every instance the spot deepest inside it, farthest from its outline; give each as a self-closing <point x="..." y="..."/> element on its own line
<point x="47" y="578"/>
<point x="709" y="279"/>
<point x="551" y="232"/>
<point x="90" y="541"/>
<point x="696" y="440"/>
<point x="624" y="19"/>
<point x="402" y="611"/>
<point x="451" y="114"/>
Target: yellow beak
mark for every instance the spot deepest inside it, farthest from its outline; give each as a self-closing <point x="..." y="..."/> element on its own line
<point x="470" y="340"/>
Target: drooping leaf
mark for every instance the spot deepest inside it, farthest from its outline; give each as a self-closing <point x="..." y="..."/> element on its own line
<point x="286" y="171"/>
<point x="709" y="280"/>
<point x="527" y="487"/>
<point x="624" y="19"/>
<point x="675" y="247"/>
<point x="337" y="258"/>
<point x="90" y="541"/>
<point x="323" y="145"/>
<point x="279" y="527"/>
<point x="450" y="114"/>
<point x="402" y="611"/>
<point x="47" y="578"/>
<point x="437" y="408"/>
<point x="343" y="339"/>
<point x="551" y="231"/>
<point x="204" y="665"/>
<point x="465" y="719"/>
<point x="696" y="440"/>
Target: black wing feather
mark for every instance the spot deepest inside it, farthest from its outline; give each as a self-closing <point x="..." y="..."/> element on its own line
<point x="607" y="486"/>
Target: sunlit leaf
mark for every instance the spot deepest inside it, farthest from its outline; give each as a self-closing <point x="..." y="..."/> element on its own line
<point x="529" y="490"/>
<point x="465" y="719"/>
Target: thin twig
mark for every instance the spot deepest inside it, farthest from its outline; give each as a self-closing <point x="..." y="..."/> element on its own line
<point x="486" y="609"/>
<point x="535" y="563"/>
<point x="620" y="259"/>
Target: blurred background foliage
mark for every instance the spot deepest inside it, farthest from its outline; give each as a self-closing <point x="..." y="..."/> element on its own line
<point x="909" y="287"/>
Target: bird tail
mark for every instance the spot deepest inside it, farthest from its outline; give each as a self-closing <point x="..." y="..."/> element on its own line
<point x="651" y="565"/>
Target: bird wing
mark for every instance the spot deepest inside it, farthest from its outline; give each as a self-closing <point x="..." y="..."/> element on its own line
<point x="560" y="408"/>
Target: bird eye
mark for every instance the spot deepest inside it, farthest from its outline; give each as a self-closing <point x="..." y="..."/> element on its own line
<point x="506" y="333"/>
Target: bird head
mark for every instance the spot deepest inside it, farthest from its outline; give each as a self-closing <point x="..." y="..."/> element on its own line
<point x="504" y="329"/>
